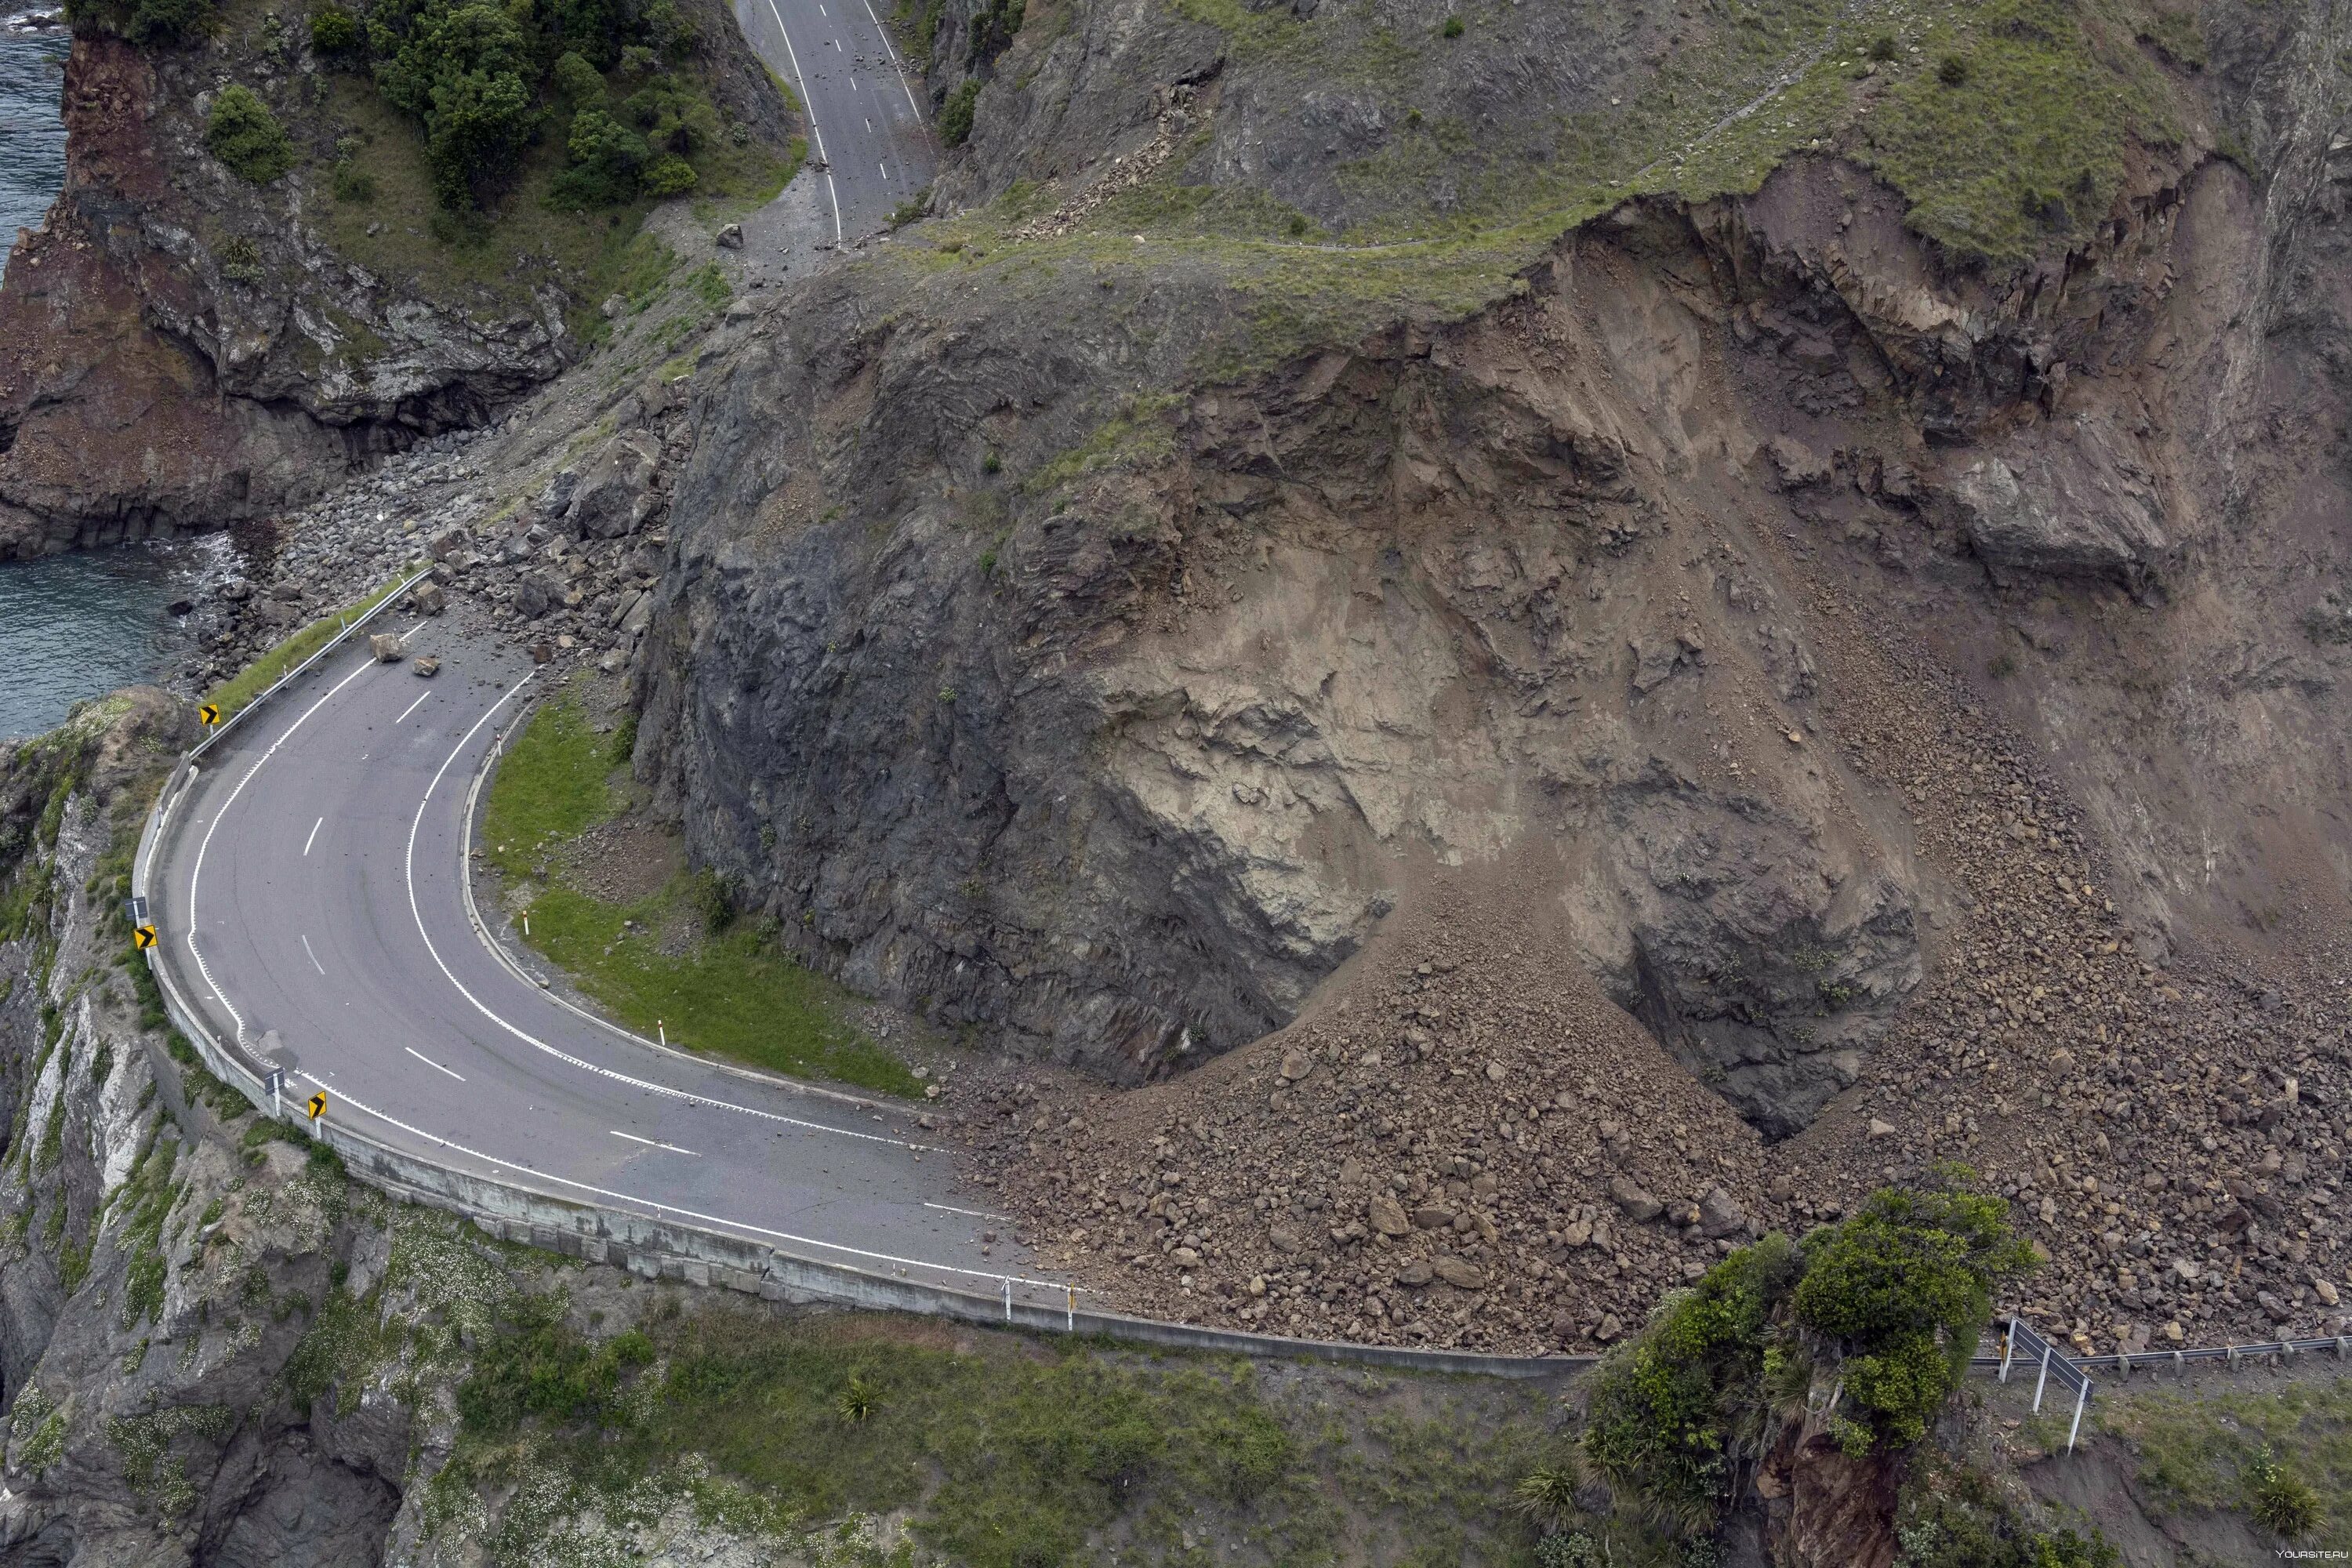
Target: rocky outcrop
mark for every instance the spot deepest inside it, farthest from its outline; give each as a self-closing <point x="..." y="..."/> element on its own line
<point x="180" y="349"/>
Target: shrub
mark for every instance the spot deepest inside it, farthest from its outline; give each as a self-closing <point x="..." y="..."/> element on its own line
<point x="242" y="133"/>
<point x="352" y="184"/>
<point x="335" y="31"/>
<point x="239" y="260"/>
<point x="955" y="115"/>
<point x="1903" y="1286"/>
<point x="1452" y="28"/>
<point x="1546" y="1495"/>
<point x="1671" y="1411"/>
<point x="466" y="70"/>
<point x="1881" y="47"/>
<point x="1952" y="70"/>
<point x="2279" y="1500"/>
<point x="671" y="176"/>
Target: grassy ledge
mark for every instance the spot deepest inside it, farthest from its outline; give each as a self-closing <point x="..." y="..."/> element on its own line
<point x="264" y="672"/>
<point x="673" y="958"/>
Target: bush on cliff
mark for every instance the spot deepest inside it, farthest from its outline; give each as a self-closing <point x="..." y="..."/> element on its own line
<point x="154" y="23"/>
<point x="242" y="133"/>
<point x="1885" y="1307"/>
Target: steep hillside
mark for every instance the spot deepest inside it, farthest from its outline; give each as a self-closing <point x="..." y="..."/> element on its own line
<point x="267" y="267"/>
<point x="1823" y="549"/>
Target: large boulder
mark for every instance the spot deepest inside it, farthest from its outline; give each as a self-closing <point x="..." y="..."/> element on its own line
<point x="615" y="495"/>
<point x="2079" y="509"/>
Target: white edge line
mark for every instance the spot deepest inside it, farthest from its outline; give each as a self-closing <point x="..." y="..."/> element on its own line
<point x="507" y="960"/>
<point x="428" y="1061"/>
<point x="785" y="1236"/>
<point x="808" y="107"/>
<point x="197" y="873"/>
<point x="651" y="1142"/>
<point x="416" y="910"/>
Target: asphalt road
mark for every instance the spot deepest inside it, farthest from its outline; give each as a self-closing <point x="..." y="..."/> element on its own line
<point x="311" y="888"/>
<point x="867" y="140"/>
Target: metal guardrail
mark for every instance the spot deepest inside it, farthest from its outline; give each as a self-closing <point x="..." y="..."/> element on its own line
<point x="2021" y="1344"/>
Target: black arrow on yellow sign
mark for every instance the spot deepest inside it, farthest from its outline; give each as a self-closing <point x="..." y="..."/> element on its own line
<point x="318" y="1106"/>
<point x="209" y="713"/>
<point x="142" y="937"/>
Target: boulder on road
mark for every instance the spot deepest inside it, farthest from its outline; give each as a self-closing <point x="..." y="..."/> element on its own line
<point x="427" y="666"/>
<point x="385" y="647"/>
<point x="427" y="598"/>
<point x="534" y="595"/>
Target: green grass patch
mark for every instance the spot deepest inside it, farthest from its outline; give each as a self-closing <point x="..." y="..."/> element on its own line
<point x="1009" y="1454"/>
<point x="734" y="993"/>
<point x="731" y="991"/>
<point x="2206" y="1450"/>
<point x="263" y="673"/>
<point x="550" y="785"/>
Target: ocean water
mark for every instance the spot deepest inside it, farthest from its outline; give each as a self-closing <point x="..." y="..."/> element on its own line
<point x="32" y="136"/>
<point x="75" y="627"/>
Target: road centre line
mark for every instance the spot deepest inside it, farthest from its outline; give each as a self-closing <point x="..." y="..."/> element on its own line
<point x="975" y="1213"/>
<point x="197" y="873"/>
<point x="314" y="957"/>
<point x="414" y="706"/>
<point x="892" y="50"/>
<point x="313" y="838"/>
<point x="417" y="910"/>
<point x="689" y="1213"/>
<point x="428" y="1061"/>
<point x="653" y="1142"/>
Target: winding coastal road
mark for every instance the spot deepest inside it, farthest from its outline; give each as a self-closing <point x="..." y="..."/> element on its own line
<point x="311" y="890"/>
<point x="869" y="143"/>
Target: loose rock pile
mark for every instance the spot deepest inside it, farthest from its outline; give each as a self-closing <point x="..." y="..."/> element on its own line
<point x="1462" y="1143"/>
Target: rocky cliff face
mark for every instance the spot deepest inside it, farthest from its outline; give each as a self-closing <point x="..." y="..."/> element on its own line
<point x="1053" y="644"/>
<point x="181" y="348"/>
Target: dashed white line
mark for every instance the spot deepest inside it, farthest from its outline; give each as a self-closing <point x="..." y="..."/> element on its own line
<point x="314" y="837"/>
<point x="428" y="1061"/>
<point x="314" y="957"/>
<point x="416" y="910"/>
<point x="653" y="1142"/>
<point x="690" y="1213"/>
<point x="809" y="107"/>
<point x="413" y="707"/>
<point x="891" y="49"/>
<point x="976" y="1213"/>
<point x="195" y="873"/>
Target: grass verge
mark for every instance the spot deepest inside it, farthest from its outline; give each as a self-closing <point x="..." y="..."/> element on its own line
<point x="264" y="672"/>
<point x="1001" y="1452"/>
<point x="673" y="962"/>
<point x="2207" y="1451"/>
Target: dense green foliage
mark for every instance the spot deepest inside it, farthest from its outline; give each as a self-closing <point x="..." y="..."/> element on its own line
<point x="153" y="23"/>
<point x="1901" y="1288"/>
<point x="1886" y="1304"/>
<point x="955" y="115"/>
<point x="242" y="133"/>
<point x="1672" y="1412"/>
<point x="485" y="79"/>
<point x="2282" y="1501"/>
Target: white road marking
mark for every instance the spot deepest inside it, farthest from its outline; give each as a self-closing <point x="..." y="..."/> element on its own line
<point x="413" y="707"/>
<point x="416" y="910"/>
<point x="809" y="110"/>
<point x="428" y="1061"/>
<point x="653" y="1142"/>
<point x="889" y="48"/>
<point x="314" y="957"/>
<point x="885" y="172"/>
<point x="689" y="1213"/>
<point x="976" y="1213"/>
<point x="869" y="124"/>
<point x="196" y="874"/>
<point x="314" y="837"/>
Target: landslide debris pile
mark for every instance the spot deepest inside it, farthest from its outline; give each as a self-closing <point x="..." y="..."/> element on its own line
<point x="1463" y="1144"/>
